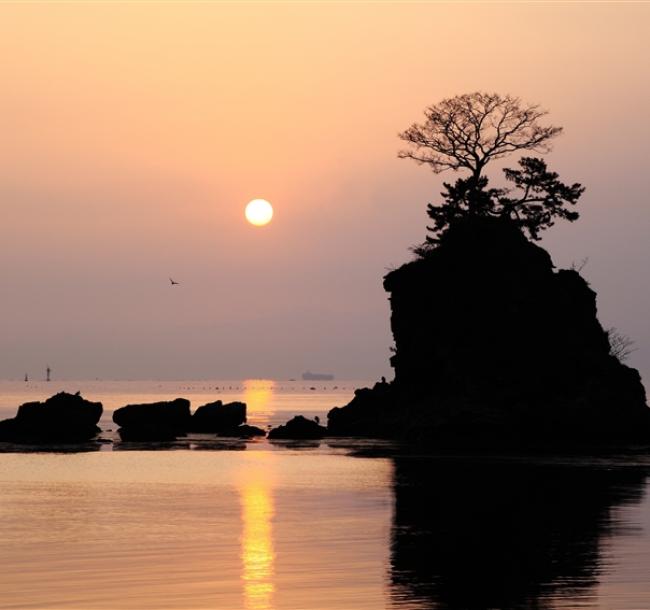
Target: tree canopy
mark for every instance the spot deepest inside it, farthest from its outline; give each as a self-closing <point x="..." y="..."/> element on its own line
<point x="465" y="133"/>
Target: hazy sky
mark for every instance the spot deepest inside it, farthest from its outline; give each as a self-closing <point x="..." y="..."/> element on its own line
<point x="133" y="135"/>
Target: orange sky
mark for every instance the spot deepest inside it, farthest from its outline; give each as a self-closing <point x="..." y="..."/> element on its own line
<point x="133" y="134"/>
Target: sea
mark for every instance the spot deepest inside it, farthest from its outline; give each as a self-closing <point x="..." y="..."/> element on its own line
<point x="339" y="524"/>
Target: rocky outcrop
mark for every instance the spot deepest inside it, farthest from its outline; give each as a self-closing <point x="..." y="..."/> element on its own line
<point x="157" y="421"/>
<point x="61" y="418"/>
<point x="216" y="417"/>
<point x="371" y="413"/>
<point x="493" y="346"/>
<point x="298" y="428"/>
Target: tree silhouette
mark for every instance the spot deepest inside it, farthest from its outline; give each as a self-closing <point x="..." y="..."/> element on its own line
<point x="620" y="345"/>
<point x="541" y="196"/>
<point x="468" y="131"/>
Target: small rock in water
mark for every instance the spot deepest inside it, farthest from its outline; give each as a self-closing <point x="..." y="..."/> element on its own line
<point x="61" y="418"/>
<point x="218" y="417"/>
<point x="298" y="428"/>
<point x="243" y="431"/>
<point x="155" y="421"/>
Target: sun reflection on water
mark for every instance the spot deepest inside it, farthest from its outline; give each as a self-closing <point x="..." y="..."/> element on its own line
<point x="257" y="396"/>
<point x="257" y="542"/>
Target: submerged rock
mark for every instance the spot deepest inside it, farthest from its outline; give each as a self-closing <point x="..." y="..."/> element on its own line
<point x="218" y="417"/>
<point x="495" y="347"/>
<point x="243" y="431"/>
<point x="61" y="418"/>
<point x="299" y="428"/>
<point x="155" y="421"/>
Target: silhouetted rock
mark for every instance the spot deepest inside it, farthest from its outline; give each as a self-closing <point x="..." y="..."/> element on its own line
<point x="155" y="421"/>
<point x="298" y="428"/>
<point x="243" y="431"/>
<point x="495" y="347"/>
<point x="370" y="413"/>
<point x="218" y="417"/>
<point x="61" y="418"/>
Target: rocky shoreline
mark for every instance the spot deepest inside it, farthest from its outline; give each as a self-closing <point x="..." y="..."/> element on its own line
<point x="70" y="419"/>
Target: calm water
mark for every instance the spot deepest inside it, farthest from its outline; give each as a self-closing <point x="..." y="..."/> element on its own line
<point x="314" y="527"/>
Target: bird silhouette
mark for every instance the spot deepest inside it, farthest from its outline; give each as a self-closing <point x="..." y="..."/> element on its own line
<point x="173" y="282"/>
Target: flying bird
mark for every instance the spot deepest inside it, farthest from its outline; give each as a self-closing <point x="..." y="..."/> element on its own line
<point x="173" y="282"/>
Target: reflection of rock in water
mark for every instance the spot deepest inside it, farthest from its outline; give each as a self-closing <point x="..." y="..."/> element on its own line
<point x="51" y="447"/>
<point x="470" y="535"/>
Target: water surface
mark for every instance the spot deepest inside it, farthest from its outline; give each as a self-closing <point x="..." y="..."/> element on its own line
<point x="315" y="527"/>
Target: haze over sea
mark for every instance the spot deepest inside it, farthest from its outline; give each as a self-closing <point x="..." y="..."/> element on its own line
<point x="309" y="526"/>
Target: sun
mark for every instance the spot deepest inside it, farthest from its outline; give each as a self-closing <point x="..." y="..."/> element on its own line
<point x="259" y="212"/>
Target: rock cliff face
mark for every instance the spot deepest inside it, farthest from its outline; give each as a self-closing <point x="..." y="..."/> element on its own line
<point x="494" y="346"/>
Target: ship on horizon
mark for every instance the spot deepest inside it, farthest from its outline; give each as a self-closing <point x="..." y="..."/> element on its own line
<point x="309" y="376"/>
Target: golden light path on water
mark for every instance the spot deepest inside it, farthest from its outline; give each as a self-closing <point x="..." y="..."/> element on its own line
<point x="257" y="507"/>
<point x="74" y="525"/>
<point x="257" y="534"/>
<point x="257" y="396"/>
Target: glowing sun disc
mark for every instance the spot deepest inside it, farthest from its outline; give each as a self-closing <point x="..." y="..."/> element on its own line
<point x="259" y="212"/>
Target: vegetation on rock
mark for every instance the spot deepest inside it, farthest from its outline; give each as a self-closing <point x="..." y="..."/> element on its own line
<point x="466" y="133"/>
